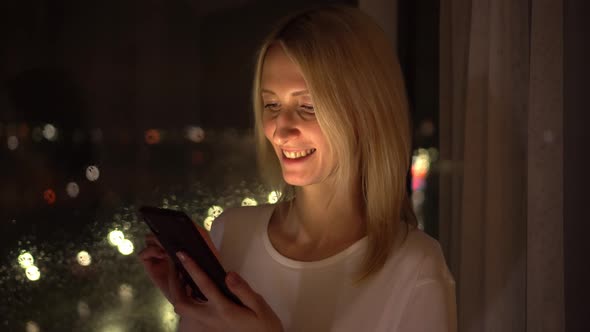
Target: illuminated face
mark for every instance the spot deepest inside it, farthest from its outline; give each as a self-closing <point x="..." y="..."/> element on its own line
<point x="290" y="123"/>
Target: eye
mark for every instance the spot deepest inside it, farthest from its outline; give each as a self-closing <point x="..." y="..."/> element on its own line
<point x="272" y="107"/>
<point x="307" y="108"/>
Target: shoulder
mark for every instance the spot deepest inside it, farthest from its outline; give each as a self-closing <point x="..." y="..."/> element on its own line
<point x="427" y="255"/>
<point x="237" y="220"/>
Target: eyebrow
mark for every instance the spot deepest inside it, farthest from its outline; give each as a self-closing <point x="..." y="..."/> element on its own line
<point x="294" y="94"/>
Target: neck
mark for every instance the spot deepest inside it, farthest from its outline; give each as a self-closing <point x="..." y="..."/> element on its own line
<point x="325" y="214"/>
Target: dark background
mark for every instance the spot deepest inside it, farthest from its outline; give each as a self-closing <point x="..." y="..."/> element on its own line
<point x="576" y="176"/>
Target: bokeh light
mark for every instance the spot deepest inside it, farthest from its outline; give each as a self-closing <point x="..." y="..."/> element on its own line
<point x="195" y="134"/>
<point x="249" y="202"/>
<point x="50" y="132"/>
<point x="433" y="153"/>
<point x="215" y="211"/>
<point x="125" y="293"/>
<point x="208" y="222"/>
<point x="420" y="168"/>
<point x="12" y="143"/>
<point x="116" y="237"/>
<point x="32" y="327"/>
<point x="274" y="196"/>
<point x="92" y="173"/>
<point x="83" y="309"/>
<point x="33" y="273"/>
<point x="152" y="136"/>
<point x="25" y="260"/>
<point x="112" y="327"/>
<point x="84" y="258"/>
<point x="125" y="247"/>
<point x="169" y="317"/>
<point x="73" y="189"/>
<point x="49" y="196"/>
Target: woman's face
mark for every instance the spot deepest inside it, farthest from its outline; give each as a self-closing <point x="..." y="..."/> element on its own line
<point x="290" y="122"/>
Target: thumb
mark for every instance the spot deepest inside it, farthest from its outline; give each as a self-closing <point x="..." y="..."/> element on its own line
<point x="244" y="292"/>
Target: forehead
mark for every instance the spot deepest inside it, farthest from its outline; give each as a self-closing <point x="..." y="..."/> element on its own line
<point x="279" y="69"/>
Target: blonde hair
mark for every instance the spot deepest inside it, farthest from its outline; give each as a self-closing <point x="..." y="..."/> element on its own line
<point x="354" y="77"/>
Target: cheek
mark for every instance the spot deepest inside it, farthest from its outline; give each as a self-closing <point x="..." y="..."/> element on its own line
<point x="268" y="127"/>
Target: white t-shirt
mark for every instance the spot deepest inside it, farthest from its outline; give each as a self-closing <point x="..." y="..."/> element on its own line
<point x="414" y="291"/>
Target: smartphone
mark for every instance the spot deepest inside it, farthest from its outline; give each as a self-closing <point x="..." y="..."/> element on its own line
<point x="176" y="232"/>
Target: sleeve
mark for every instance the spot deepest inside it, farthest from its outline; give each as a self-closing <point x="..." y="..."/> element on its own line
<point x="432" y="307"/>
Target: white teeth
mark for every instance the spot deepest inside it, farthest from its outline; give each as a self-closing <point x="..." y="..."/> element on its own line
<point x="298" y="154"/>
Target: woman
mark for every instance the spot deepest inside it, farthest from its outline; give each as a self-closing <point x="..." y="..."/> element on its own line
<point x="340" y="251"/>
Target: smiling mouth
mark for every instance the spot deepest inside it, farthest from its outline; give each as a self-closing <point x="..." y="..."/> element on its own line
<point x="297" y="154"/>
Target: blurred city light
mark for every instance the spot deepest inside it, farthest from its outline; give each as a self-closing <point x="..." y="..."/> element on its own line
<point x="12" y="143"/>
<point x="169" y="317"/>
<point x="208" y="222"/>
<point x="249" y="202"/>
<point x="125" y="247"/>
<point x="112" y="327"/>
<point x="116" y="237"/>
<point x="84" y="258"/>
<point x="33" y="273"/>
<point x="50" y="132"/>
<point x="195" y="134"/>
<point x="274" y="196"/>
<point x="152" y="136"/>
<point x="125" y="293"/>
<point x="83" y="309"/>
<point x="32" y="326"/>
<point x="92" y="173"/>
<point x="49" y="196"/>
<point x="25" y="260"/>
<point x="215" y="211"/>
<point x="73" y="189"/>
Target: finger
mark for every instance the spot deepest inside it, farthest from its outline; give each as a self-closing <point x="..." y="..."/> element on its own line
<point x="152" y="252"/>
<point x="176" y="287"/>
<point x="184" y="305"/>
<point x="151" y="239"/>
<point x="245" y="293"/>
<point x="206" y="285"/>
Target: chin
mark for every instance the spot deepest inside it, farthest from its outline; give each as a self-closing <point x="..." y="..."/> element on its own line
<point x="300" y="181"/>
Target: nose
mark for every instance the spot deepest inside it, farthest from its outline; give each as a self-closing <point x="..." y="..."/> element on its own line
<point x="286" y="127"/>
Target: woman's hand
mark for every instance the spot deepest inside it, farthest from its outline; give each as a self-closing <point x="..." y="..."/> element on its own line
<point x="157" y="264"/>
<point x="219" y="313"/>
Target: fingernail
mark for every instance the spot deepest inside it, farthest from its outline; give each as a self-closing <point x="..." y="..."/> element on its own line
<point x="180" y="256"/>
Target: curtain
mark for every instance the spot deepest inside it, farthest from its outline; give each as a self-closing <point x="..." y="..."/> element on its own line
<point x="501" y="198"/>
